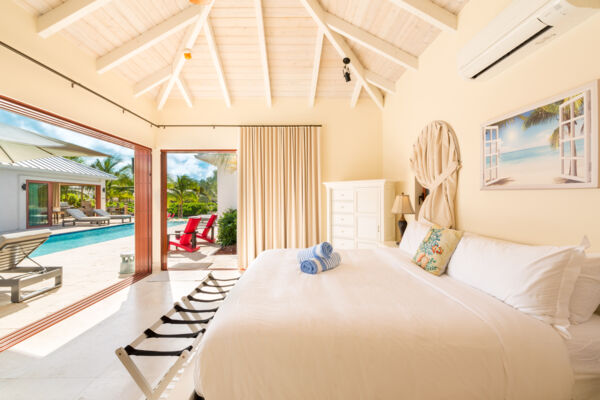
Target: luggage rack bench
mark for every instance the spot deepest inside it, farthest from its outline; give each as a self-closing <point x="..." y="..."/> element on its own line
<point x="197" y="327"/>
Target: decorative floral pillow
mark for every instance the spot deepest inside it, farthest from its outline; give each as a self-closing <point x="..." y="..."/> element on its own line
<point x="436" y="249"/>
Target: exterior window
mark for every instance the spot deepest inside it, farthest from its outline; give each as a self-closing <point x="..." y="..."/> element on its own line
<point x="574" y="138"/>
<point x="491" y="151"/>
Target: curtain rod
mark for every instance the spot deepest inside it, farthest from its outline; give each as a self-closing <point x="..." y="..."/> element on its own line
<point x="239" y="126"/>
<point x="74" y="83"/>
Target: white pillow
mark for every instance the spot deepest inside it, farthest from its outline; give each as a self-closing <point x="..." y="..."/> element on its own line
<point x="537" y="280"/>
<point x="414" y="235"/>
<point x="586" y="296"/>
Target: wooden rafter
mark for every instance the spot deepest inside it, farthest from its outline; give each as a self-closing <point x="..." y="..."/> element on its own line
<point x="430" y="12"/>
<point x="149" y="38"/>
<point x="151" y="81"/>
<point x="380" y="82"/>
<point x="185" y="91"/>
<point x="66" y="14"/>
<point x="339" y="43"/>
<point x="316" y="68"/>
<point x="188" y="42"/>
<point x="262" y="43"/>
<point x="355" y="94"/>
<point x="372" y="42"/>
<point x="214" y="52"/>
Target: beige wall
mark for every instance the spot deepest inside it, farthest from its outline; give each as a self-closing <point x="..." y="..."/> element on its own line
<point x="350" y="138"/>
<point x="437" y="92"/>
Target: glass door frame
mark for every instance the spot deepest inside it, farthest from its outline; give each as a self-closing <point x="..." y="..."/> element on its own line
<point x="49" y="205"/>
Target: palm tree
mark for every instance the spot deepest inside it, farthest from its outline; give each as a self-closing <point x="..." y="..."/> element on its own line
<point x="179" y="190"/>
<point x="124" y="181"/>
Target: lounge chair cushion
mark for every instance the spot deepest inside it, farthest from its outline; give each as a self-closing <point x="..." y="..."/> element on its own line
<point x="9" y="238"/>
<point x="80" y="216"/>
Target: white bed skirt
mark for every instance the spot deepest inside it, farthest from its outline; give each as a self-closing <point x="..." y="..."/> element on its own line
<point x="376" y="327"/>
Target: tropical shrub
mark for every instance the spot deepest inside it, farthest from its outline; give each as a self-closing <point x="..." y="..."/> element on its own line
<point x="193" y="208"/>
<point x="227" y="234"/>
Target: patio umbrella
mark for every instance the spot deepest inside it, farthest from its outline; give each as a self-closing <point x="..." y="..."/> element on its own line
<point x="18" y="144"/>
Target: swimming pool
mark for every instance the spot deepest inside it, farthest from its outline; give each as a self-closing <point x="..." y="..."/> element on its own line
<point x="71" y="240"/>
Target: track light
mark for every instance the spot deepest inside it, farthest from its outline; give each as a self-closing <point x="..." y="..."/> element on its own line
<point x="347" y="77"/>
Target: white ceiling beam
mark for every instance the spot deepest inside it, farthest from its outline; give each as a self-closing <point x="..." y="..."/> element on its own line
<point x="339" y="43"/>
<point x="66" y="14"/>
<point x="430" y="12"/>
<point x="188" y="42"/>
<point x="316" y="68"/>
<point x="262" y="44"/>
<point x="372" y="42"/>
<point x="148" y="39"/>
<point x="355" y="94"/>
<point x="151" y="81"/>
<point x="185" y="92"/>
<point x="214" y="52"/>
<point x="381" y="82"/>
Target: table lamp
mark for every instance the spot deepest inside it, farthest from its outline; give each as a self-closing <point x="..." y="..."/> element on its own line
<point x="402" y="206"/>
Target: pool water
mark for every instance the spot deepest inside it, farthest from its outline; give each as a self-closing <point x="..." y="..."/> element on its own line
<point x="72" y="240"/>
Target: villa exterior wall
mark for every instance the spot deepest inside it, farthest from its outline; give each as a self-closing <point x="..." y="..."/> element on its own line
<point x="13" y="209"/>
<point x="227" y="189"/>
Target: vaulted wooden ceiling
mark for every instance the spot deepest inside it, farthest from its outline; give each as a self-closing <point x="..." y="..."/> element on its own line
<point x="251" y="48"/>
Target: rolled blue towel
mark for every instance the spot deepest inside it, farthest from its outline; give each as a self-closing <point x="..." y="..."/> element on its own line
<point x="322" y="250"/>
<point x="320" y="264"/>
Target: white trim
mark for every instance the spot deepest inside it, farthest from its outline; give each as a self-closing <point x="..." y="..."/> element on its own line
<point x="372" y="42"/>
<point x="592" y="87"/>
<point x="214" y="52"/>
<point x="66" y="14"/>
<point x="148" y="39"/>
<point x="430" y="12"/>
<point x="317" y="13"/>
<point x="262" y="44"/>
<point x="316" y="68"/>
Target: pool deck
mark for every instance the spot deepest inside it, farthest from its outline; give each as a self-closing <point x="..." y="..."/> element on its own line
<point x="56" y="229"/>
<point x="89" y="269"/>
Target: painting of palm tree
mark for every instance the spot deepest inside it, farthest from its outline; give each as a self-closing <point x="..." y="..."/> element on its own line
<point x="550" y="145"/>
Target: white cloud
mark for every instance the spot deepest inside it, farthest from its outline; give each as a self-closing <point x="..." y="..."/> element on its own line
<point x="187" y="164"/>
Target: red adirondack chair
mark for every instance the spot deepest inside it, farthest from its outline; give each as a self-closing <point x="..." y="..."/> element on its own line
<point x="208" y="229"/>
<point x="186" y="240"/>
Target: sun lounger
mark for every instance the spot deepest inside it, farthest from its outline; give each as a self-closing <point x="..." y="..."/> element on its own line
<point x="14" y="248"/>
<point x="78" y="216"/>
<point x="104" y="213"/>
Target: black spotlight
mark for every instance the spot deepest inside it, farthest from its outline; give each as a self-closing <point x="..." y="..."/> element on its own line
<point x="346" y="61"/>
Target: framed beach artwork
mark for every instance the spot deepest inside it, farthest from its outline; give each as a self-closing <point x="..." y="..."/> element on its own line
<point x="550" y="145"/>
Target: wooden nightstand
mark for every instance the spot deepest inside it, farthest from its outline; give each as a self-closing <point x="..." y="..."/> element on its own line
<point x="388" y="244"/>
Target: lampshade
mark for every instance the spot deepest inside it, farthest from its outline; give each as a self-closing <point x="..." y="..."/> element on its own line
<point x="402" y="205"/>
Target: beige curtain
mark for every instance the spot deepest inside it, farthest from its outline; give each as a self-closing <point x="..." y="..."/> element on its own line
<point x="435" y="162"/>
<point x="279" y="181"/>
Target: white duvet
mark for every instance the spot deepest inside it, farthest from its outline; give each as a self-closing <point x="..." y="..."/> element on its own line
<point x="376" y="327"/>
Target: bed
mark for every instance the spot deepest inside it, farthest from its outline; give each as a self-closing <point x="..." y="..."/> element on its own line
<point x="376" y="327"/>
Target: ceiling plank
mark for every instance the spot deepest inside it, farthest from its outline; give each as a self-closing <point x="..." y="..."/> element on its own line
<point x="187" y="43"/>
<point x="430" y="12"/>
<point x="355" y="94"/>
<point x="372" y="42"/>
<point x="380" y="82"/>
<point x="316" y="68"/>
<point x="339" y="43"/>
<point x="151" y="81"/>
<point x="66" y="14"/>
<point x="262" y="43"/>
<point x="214" y="52"/>
<point x="185" y="92"/>
<point x="148" y="39"/>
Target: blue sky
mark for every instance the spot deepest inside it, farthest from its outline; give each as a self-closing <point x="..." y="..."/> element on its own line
<point x="187" y="164"/>
<point x="9" y="118"/>
<point x="515" y="137"/>
<point x="178" y="164"/>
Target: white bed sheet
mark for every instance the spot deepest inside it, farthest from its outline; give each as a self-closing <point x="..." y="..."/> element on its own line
<point x="376" y="327"/>
<point x="584" y="347"/>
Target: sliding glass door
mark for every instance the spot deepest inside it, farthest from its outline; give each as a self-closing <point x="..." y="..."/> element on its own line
<point x="38" y="204"/>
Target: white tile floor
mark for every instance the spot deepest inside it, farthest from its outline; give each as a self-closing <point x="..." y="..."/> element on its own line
<point x="75" y="359"/>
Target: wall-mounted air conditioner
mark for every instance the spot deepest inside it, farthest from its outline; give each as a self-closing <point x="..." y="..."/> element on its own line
<point x="522" y="28"/>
